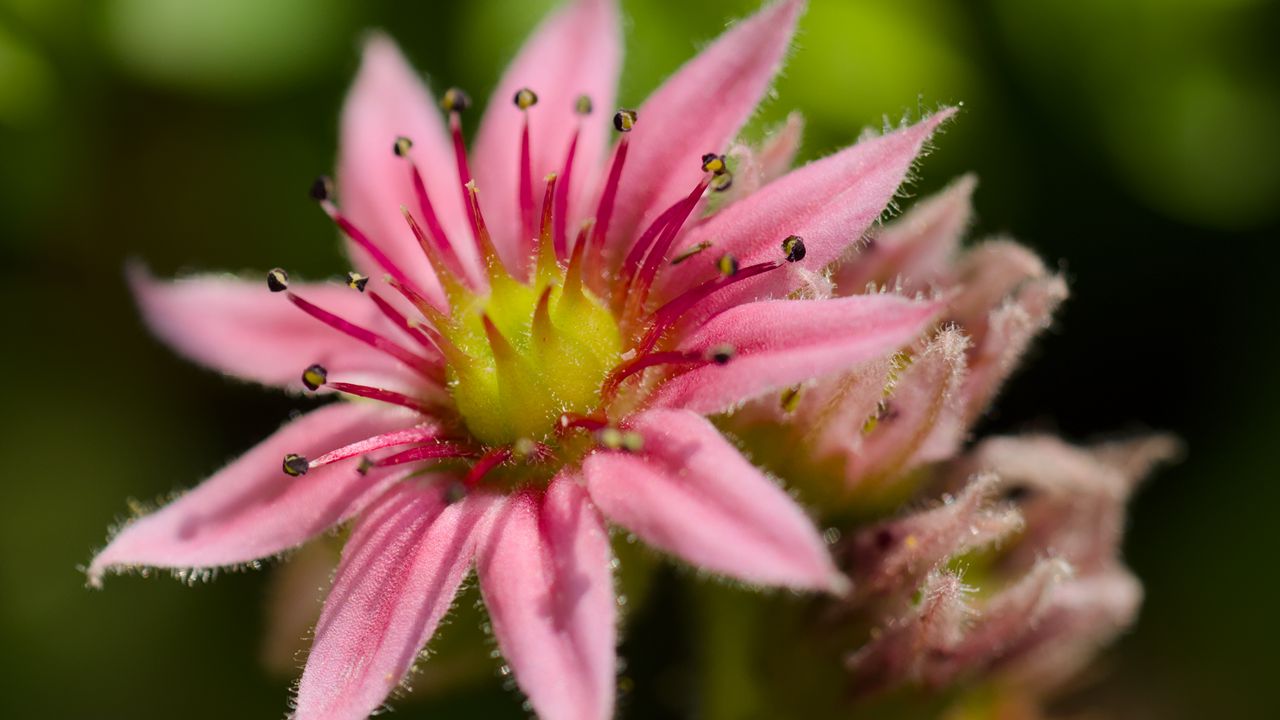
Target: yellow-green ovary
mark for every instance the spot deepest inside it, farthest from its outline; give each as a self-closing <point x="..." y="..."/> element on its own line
<point x="504" y="399"/>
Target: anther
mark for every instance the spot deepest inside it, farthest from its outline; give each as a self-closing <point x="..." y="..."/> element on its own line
<point x="525" y="98"/>
<point x="721" y="181"/>
<point x="727" y="265"/>
<point x="583" y="105"/>
<point x="611" y="438"/>
<point x="624" y="120"/>
<point x="356" y="281"/>
<point x="315" y="376"/>
<point x="794" y="248"/>
<point x="277" y="280"/>
<point x="455" y="100"/>
<point x="365" y="465"/>
<point x="322" y="188"/>
<point x="790" y="399"/>
<point x="295" y="465"/>
<point x="454" y="492"/>
<point x="690" y="252"/>
<point x="402" y="146"/>
<point x="714" y="163"/>
<point x="721" y="354"/>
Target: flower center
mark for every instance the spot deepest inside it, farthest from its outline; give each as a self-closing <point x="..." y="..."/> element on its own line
<point x="527" y="354"/>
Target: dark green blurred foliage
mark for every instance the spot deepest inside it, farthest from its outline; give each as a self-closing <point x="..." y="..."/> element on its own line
<point x="1134" y="141"/>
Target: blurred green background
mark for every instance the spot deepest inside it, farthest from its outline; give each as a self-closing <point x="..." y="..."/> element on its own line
<point x="1133" y="142"/>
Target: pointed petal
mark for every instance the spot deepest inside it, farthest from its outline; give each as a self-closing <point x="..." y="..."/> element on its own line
<point x="1010" y="329"/>
<point x="988" y="276"/>
<point x="576" y="51"/>
<point x="779" y="343"/>
<point x="891" y="558"/>
<point x="388" y="100"/>
<point x="699" y="110"/>
<point x="544" y="567"/>
<point x="908" y="424"/>
<point x="240" y="328"/>
<point x="917" y="248"/>
<point x="251" y="509"/>
<point x="399" y="574"/>
<point x="693" y="495"/>
<point x="778" y="151"/>
<point x="830" y="203"/>
<point x="899" y="652"/>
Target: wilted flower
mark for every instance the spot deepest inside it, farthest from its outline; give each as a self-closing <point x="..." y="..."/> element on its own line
<point x="535" y="331"/>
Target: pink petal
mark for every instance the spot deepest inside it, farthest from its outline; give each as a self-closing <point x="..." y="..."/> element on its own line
<point x="699" y="110"/>
<point x="830" y="203"/>
<point x="988" y="275"/>
<point x="544" y="567"/>
<point x="577" y="51"/>
<point x="693" y="495"/>
<point x="388" y="100"/>
<point x="399" y="574"/>
<point x="240" y="328"/>
<point x="251" y="509"/>
<point x="780" y="343"/>
<point x="917" y="248"/>
<point x="778" y="151"/>
<point x="926" y="393"/>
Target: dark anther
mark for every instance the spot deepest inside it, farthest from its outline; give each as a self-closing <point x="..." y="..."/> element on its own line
<point x="356" y="281"/>
<point x="721" y="181"/>
<point x="454" y="492"/>
<point x="624" y="120"/>
<point x="884" y="539"/>
<point x="790" y="399"/>
<point x="727" y="265"/>
<point x="1016" y="493"/>
<point x="455" y="100"/>
<point x="583" y="105"/>
<point x="365" y="465"/>
<point x="525" y="98"/>
<point x="295" y="465"/>
<point x="721" y="354"/>
<point x="322" y="188"/>
<point x="315" y="376"/>
<point x="402" y="146"/>
<point x="793" y="248"/>
<point x="277" y="280"/>
<point x="713" y="163"/>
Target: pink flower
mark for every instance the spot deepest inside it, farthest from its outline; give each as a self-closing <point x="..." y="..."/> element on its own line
<point x="534" y="334"/>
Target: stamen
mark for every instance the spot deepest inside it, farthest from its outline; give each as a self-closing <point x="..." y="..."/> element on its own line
<point x="720" y="355"/>
<point x="667" y="315"/>
<point x="456" y="101"/>
<point x="790" y="399"/>
<point x="525" y="99"/>
<point x="294" y="465"/>
<point x="641" y="284"/>
<point x="356" y="281"/>
<point x="387" y="396"/>
<point x="438" y="451"/>
<point x="690" y="252"/>
<point x="314" y="376"/>
<point x="436" y="230"/>
<point x="365" y="336"/>
<point x="561" y="214"/>
<point x="399" y="320"/>
<point x="277" y="280"/>
<point x="354" y="233"/>
<point x="487" y="462"/>
<point x="727" y="265"/>
<point x="793" y="248"/>
<point x="631" y="264"/>
<point x="721" y="181"/>
<point x="583" y="105"/>
<point x="623" y="121"/>
<point x="420" y="433"/>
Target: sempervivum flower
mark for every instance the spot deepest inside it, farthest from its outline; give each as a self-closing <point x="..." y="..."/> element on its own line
<point x="533" y="335"/>
<point x="1009" y="577"/>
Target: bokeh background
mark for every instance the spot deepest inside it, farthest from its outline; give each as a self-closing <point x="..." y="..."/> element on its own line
<point x="1133" y="142"/>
